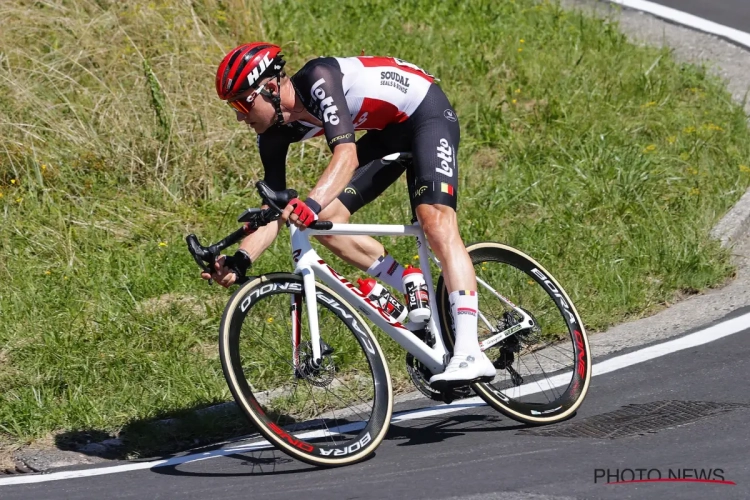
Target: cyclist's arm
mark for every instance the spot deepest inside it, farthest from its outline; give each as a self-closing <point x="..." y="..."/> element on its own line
<point x="337" y="175"/>
<point x="257" y="243"/>
<point x="273" y="147"/>
<point x="327" y="92"/>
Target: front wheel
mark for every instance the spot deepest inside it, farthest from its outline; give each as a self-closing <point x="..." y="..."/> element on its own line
<point x="329" y="413"/>
<point x="530" y="330"/>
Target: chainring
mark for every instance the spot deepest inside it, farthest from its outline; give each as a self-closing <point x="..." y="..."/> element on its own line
<point x="420" y="377"/>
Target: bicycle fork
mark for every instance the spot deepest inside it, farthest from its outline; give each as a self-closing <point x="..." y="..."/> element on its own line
<point x="308" y="280"/>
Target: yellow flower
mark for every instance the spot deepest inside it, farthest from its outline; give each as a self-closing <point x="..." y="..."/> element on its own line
<point x="530" y="282"/>
<point x="671" y="139"/>
<point x="650" y="148"/>
<point x="19" y="200"/>
<point x="684" y="156"/>
<point x="513" y="101"/>
<point x="711" y="126"/>
<point x="162" y="244"/>
<point x="520" y="49"/>
<point x="518" y="91"/>
<point x="44" y="167"/>
<point x="743" y="168"/>
<point x="695" y="192"/>
<point x="65" y="277"/>
<point x="12" y="181"/>
<point x="269" y="320"/>
<point x="48" y="272"/>
<point x="1" y="195"/>
<point x="415" y="257"/>
<point x="521" y="41"/>
<point x="692" y="171"/>
<point x="689" y="130"/>
<point x="649" y="104"/>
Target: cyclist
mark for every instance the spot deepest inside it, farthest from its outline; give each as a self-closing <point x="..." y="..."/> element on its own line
<point x="403" y="110"/>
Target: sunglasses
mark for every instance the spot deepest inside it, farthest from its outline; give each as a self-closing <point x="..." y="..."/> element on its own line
<point x="245" y="104"/>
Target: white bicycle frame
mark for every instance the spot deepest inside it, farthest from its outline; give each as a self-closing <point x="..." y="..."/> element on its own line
<point x="309" y="264"/>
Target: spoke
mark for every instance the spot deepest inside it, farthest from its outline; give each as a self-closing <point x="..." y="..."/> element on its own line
<point x="542" y="390"/>
<point x="328" y="434"/>
<point x="536" y="353"/>
<point x="548" y="355"/>
<point x="340" y="399"/>
<point x="297" y="406"/>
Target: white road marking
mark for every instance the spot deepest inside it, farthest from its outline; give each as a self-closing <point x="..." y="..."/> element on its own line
<point x="700" y="337"/>
<point x="688" y="20"/>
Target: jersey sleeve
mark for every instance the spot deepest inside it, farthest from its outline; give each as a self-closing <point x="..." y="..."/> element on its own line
<point x="329" y="102"/>
<point x="273" y="148"/>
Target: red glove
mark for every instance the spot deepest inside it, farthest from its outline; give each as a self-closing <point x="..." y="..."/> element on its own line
<point x="305" y="213"/>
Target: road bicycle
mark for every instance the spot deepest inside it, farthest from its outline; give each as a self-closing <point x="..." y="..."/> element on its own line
<point x="307" y="371"/>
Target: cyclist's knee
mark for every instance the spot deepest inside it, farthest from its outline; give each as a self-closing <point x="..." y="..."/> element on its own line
<point x="438" y="221"/>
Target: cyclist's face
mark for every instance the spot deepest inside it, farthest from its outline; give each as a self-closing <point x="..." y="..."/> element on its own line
<point x="261" y="114"/>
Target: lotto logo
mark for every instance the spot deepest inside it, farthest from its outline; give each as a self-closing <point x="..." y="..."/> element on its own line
<point x="445" y="154"/>
<point x="326" y="103"/>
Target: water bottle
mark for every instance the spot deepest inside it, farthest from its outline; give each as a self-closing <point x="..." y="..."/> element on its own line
<point x="417" y="298"/>
<point x="379" y="295"/>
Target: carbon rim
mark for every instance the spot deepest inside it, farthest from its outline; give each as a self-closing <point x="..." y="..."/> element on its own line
<point x="335" y="415"/>
<point x="553" y="361"/>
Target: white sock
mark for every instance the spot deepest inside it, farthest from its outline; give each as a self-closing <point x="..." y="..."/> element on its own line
<point x="464" y="306"/>
<point x="387" y="270"/>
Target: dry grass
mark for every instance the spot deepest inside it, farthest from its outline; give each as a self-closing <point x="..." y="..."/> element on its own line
<point x="91" y="76"/>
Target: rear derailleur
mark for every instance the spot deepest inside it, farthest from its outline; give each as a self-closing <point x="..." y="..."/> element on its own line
<point x="512" y="345"/>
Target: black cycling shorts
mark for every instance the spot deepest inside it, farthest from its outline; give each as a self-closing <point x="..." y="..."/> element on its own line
<point x="432" y="135"/>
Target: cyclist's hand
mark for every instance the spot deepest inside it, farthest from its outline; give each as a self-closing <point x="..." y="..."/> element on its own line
<point x="299" y="214"/>
<point x="221" y="274"/>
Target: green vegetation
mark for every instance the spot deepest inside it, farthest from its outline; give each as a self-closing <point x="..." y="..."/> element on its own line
<point x="607" y="162"/>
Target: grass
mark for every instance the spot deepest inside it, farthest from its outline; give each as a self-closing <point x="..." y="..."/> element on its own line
<point x="607" y="162"/>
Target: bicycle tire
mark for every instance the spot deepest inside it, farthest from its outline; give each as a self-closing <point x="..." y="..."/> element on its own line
<point x="520" y="268"/>
<point x="329" y="446"/>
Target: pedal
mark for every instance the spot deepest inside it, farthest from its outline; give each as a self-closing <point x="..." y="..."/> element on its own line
<point x="450" y="385"/>
<point x="451" y="395"/>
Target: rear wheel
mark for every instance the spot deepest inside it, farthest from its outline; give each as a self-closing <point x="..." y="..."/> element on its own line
<point x="544" y="367"/>
<point x="331" y="414"/>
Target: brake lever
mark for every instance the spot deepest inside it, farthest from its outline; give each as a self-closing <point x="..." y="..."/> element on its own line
<point x="202" y="255"/>
<point x="266" y="194"/>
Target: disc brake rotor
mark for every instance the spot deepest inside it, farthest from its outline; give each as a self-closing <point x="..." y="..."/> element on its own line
<point x="319" y="376"/>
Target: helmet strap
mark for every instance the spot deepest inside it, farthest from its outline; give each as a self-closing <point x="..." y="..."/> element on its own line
<point x="275" y="100"/>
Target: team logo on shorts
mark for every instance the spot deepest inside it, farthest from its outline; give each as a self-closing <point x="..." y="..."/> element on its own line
<point x="450" y="115"/>
<point x="350" y="190"/>
<point x="419" y="191"/>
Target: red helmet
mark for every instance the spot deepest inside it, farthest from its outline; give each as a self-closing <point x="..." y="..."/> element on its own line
<point x="243" y="67"/>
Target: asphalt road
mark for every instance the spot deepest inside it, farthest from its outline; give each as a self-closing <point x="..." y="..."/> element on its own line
<point x="732" y="13"/>
<point x="479" y="454"/>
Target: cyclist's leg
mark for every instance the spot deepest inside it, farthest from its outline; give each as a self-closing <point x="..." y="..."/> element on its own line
<point x="433" y="192"/>
<point x="368" y="182"/>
